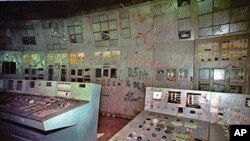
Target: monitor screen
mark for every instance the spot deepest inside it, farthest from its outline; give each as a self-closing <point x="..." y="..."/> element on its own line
<point x="157" y="95"/>
<point x="219" y="74"/>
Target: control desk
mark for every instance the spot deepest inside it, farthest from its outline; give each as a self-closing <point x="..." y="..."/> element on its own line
<point x="186" y="115"/>
<point x="39" y="108"/>
<point x="48" y="110"/>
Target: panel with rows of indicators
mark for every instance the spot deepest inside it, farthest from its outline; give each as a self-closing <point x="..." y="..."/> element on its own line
<point x="177" y="102"/>
<point x="36" y="107"/>
<point x="221" y="108"/>
<point x="151" y="126"/>
<point x="38" y="87"/>
<point x="63" y="89"/>
<point x="48" y="110"/>
<point x="230" y="108"/>
<point x="186" y="115"/>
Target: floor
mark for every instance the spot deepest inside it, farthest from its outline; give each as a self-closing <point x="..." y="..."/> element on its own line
<point x="109" y="126"/>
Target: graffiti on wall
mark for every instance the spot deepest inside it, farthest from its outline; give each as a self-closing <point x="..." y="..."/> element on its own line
<point x="137" y="73"/>
<point x="136" y="85"/>
<point x="130" y="96"/>
<point x="154" y="23"/>
<point x="153" y="11"/>
<point x="155" y="31"/>
<point x="139" y="62"/>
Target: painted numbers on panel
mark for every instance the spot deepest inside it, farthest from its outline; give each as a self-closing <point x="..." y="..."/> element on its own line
<point x="136" y="72"/>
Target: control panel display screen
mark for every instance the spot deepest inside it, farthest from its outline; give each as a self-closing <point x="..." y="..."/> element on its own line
<point x="193" y="100"/>
<point x="204" y="74"/>
<point x="219" y="74"/>
<point x="48" y="84"/>
<point x="157" y="95"/>
<point x="174" y="97"/>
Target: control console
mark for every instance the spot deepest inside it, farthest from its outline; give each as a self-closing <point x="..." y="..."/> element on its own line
<point x="186" y="115"/>
<point x="48" y="110"/>
<point x="36" y="107"/>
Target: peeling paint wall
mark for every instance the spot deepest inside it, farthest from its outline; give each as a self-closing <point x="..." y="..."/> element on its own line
<point x="152" y="44"/>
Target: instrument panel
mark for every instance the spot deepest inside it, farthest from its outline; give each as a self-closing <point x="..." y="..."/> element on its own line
<point x="48" y="110"/>
<point x="36" y="107"/>
<point x="151" y="126"/>
<point x="186" y="115"/>
<point x="201" y="105"/>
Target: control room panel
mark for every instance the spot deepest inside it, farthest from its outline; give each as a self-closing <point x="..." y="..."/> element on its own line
<point x="201" y="105"/>
<point x="48" y="110"/>
<point x="36" y="107"/>
<point x="186" y="115"/>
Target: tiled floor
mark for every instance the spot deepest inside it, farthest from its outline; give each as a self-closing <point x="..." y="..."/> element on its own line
<point x="109" y="126"/>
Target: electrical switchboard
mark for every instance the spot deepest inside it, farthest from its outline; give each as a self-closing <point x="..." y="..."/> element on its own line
<point x="187" y="115"/>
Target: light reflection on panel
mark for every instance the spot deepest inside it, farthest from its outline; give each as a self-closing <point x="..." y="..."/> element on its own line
<point x="205" y="6"/>
<point x="183" y="73"/>
<point x="240" y="26"/>
<point x="171" y="74"/>
<point x="219" y="74"/>
<point x="222" y="29"/>
<point x="221" y="17"/>
<point x="205" y="32"/>
<point x="205" y="20"/>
